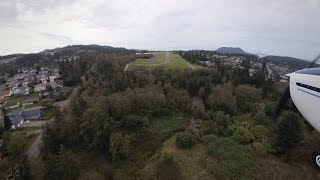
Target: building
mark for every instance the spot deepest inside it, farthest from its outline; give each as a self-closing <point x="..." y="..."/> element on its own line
<point x="31" y="114"/>
<point x="5" y="93"/>
<point x="53" y="85"/>
<point x="18" y="117"/>
<point x="22" y="91"/>
<point x="40" y="87"/>
<point x="19" y="76"/>
<point x="11" y="105"/>
<point x="53" y="78"/>
<point x="16" y="122"/>
<point x="30" y="101"/>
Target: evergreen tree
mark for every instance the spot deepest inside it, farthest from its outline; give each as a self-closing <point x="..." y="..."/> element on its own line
<point x="6" y="120"/>
<point x="290" y="134"/>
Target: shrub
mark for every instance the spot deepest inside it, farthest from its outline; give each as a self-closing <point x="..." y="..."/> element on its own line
<point x="185" y="140"/>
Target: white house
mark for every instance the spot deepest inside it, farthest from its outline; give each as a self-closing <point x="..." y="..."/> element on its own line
<point x="40" y="87"/>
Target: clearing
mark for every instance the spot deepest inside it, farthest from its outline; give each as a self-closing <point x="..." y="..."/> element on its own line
<point x="163" y="60"/>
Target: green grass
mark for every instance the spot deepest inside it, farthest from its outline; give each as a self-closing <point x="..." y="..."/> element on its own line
<point x="32" y="105"/>
<point x="31" y="128"/>
<point x="48" y="113"/>
<point x="167" y="126"/>
<point x="158" y="61"/>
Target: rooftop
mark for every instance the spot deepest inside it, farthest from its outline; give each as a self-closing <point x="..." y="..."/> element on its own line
<point x="16" y="120"/>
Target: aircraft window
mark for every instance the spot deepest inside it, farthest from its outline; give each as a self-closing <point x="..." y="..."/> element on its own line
<point x="309" y="87"/>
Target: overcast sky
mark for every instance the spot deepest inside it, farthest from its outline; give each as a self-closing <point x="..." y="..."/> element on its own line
<point x="280" y="27"/>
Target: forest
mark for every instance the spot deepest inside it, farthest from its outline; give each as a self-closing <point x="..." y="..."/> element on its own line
<point x="144" y="124"/>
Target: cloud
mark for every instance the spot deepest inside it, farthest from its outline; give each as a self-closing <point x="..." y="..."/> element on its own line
<point x="284" y="27"/>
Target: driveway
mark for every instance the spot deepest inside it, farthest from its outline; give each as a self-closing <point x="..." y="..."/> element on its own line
<point x="34" y="149"/>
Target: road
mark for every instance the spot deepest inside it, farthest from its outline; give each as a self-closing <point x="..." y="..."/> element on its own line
<point x="127" y="65"/>
<point x="167" y="58"/>
<point x="62" y="104"/>
<point x="187" y="62"/>
<point x="34" y="150"/>
<point x="36" y="123"/>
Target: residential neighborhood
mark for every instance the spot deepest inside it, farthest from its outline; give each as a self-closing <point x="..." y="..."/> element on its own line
<point x="29" y="95"/>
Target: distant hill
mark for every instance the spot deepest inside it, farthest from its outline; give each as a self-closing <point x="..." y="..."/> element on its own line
<point x="230" y="50"/>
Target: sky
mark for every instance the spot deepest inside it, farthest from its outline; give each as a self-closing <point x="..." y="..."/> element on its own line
<point x="277" y="27"/>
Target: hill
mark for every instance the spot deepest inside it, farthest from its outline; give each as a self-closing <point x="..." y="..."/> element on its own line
<point x="231" y="50"/>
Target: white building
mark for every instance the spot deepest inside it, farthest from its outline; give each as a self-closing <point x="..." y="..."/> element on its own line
<point x="40" y="87"/>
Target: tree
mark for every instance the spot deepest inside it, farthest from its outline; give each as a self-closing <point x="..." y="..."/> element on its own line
<point x="261" y="118"/>
<point x="65" y="165"/>
<point x="6" y="120"/>
<point x="24" y="168"/>
<point x="248" y="98"/>
<point x="37" y="66"/>
<point x="290" y="134"/>
<point x="222" y="99"/>
<point x="17" y="144"/>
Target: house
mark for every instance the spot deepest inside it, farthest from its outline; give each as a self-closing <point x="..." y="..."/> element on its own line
<point x="18" y="117"/>
<point x="30" y="101"/>
<point x="11" y="105"/>
<point x="18" y="91"/>
<point x="53" y="78"/>
<point x="53" y="85"/>
<point x="28" y="80"/>
<point x="22" y="91"/>
<point x="47" y="95"/>
<point x="16" y="122"/>
<point x="19" y="76"/>
<point x="56" y="72"/>
<point x="40" y="87"/>
<point x="31" y="114"/>
<point x="5" y="93"/>
<point x="43" y="79"/>
<point x="16" y="113"/>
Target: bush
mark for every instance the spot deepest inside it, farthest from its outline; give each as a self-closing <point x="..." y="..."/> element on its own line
<point x="208" y="139"/>
<point x="185" y="140"/>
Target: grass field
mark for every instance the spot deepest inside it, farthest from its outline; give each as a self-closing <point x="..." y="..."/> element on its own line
<point x="158" y="61"/>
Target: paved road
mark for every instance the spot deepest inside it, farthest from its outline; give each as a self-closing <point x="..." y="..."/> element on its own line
<point x="167" y="58"/>
<point x="36" y="123"/>
<point x="34" y="150"/>
<point x="62" y="104"/>
<point x="127" y="65"/>
<point x="186" y="62"/>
